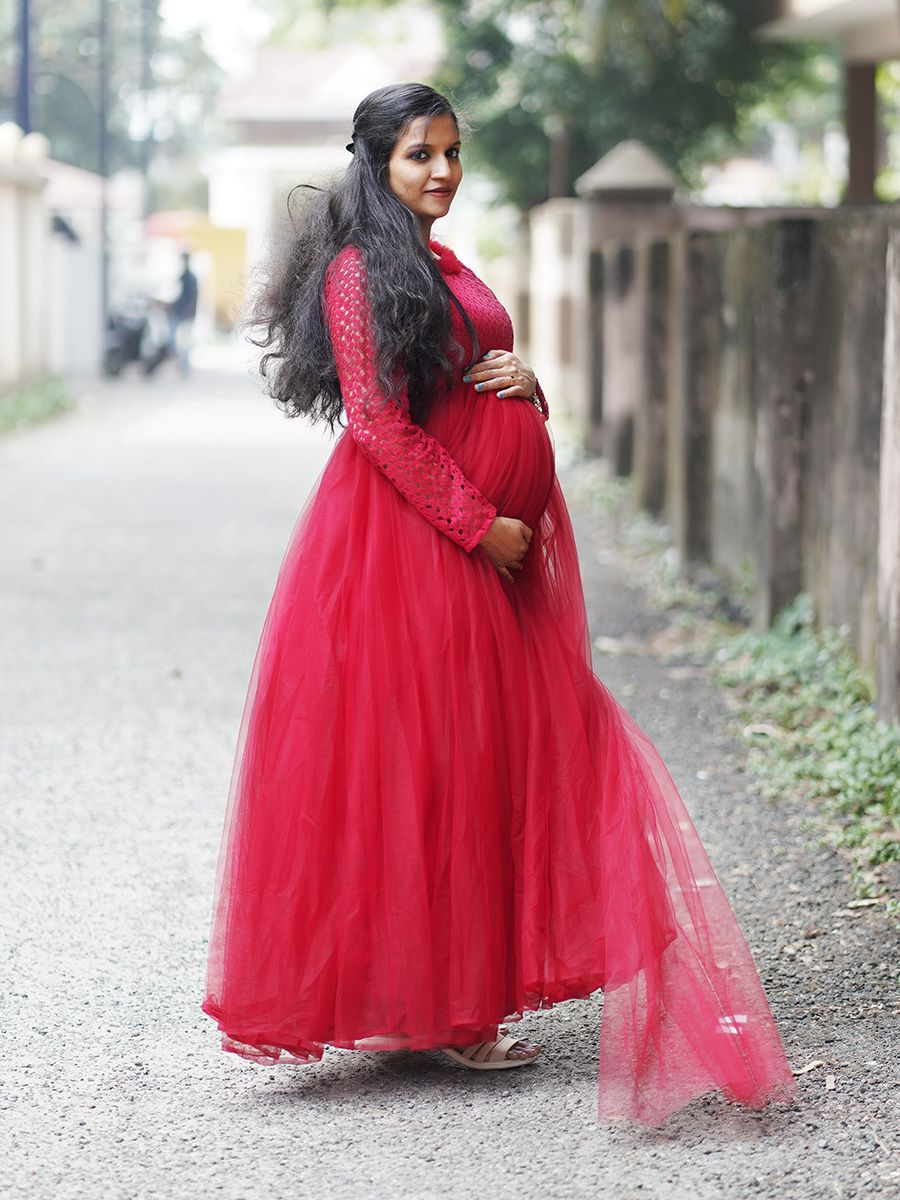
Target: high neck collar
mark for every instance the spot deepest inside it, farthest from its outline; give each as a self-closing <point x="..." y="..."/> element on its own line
<point x="449" y="263"/>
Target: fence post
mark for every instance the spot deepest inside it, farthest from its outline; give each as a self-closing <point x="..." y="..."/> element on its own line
<point x="628" y="195"/>
<point x="595" y="350"/>
<point x="887" y="663"/>
<point x="695" y="320"/>
<point x="785" y="378"/>
<point x="650" y="413"/>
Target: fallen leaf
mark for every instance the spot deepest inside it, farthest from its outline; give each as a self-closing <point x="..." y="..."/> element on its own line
<point x="612" y="645"/>
<point x="684" y="672"/>
<point x="673" y="637"/>
<point x="811" y="1066"/>
<point x="862" y="903"/>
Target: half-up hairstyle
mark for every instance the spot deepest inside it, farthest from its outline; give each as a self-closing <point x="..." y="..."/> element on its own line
<point x="408" y="297"/>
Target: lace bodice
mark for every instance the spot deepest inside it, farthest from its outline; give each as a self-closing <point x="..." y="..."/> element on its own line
<point x="411" y="458"/>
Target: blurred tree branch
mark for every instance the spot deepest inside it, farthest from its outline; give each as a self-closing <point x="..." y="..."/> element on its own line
<point x="675" y="74"/>
<point x="65" y="66"/>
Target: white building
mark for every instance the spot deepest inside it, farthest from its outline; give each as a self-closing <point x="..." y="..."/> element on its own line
<point x="291" y="120"/>
<point x="292" y="116"/>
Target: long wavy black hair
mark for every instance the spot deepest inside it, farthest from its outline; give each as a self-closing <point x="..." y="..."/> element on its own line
<point x="408" y="297"/>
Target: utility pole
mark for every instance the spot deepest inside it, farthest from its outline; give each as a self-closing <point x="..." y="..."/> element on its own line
<point x="23" y="92"/>
<point x="103" y="161"/>
<point x="147" y="10"/>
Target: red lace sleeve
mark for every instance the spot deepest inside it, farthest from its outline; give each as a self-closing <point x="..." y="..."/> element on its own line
<point x="544" y="407"/>
<point x="414" y="461"/>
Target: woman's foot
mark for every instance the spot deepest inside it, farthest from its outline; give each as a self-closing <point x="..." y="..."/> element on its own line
<point x="503" y="1051"/>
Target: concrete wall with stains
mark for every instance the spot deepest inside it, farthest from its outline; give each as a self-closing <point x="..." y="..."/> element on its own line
<point x="744" y="369"/>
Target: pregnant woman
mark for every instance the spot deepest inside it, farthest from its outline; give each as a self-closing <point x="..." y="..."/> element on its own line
<point x="439" y="817"/>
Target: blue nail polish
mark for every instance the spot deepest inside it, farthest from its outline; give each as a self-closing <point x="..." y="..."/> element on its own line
<point x="501" y="393"/>
<point x="478" y="387"/>
<point x="467" y="378"/>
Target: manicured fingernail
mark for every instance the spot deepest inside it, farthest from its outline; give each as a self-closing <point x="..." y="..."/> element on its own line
<point x="478" y="387"/>
<point x="503" y="393"/>
<point x="467" y="378"/>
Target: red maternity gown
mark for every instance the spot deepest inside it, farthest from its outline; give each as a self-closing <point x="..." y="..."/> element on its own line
<point x="439" y="817"/>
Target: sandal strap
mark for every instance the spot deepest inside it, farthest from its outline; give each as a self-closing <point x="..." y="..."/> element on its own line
<point x="490" y="1051"/>
<point x="472" y="1051"/>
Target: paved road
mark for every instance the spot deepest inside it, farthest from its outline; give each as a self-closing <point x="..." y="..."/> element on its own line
<point x="140" y="537"/>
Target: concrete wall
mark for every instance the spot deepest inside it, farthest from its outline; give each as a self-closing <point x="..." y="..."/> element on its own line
<point x="748" y="377"/>
<point x="24" y="269"/>
<point x="842" y="429"/>
<point x="562" y="309"/>
<point x="887" y="663"/>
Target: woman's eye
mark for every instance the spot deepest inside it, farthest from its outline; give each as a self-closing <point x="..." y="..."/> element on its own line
<point x="452" y="153"/>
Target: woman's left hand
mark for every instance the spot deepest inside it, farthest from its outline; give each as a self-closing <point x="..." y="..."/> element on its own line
<point x="503" y="372"/>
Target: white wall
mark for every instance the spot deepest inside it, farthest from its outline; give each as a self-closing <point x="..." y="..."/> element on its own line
<point x="23" y="256"/>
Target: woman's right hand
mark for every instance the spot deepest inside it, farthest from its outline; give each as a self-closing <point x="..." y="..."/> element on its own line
<point x="506" y="543"/>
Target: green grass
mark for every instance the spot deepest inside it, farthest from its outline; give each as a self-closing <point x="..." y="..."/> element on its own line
<point x="807" y="714"/>
<point x="35" y="401"/>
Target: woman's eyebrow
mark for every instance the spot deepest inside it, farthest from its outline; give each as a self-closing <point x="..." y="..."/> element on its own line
<point x="427" y="145"/>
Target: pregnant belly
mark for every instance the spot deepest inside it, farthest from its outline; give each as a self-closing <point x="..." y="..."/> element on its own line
<point x="503" y="447"/>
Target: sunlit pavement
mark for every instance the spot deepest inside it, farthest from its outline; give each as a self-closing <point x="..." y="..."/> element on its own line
<point x="140" y="539"/>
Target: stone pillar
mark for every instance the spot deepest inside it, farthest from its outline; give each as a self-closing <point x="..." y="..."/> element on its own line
<point x="595" y="347"/>
<point x="861" y="119"/>
<point x="556" y="308"/>
<point x="785" y="368"/>
<point x="11" y="268"/>
<point x="23" y="256"/>
<point x="521" y="314"/>
<point x="887" y="662"/>
<point x="650" y="415"/>
<point x="628" y="195"/>
<point x="623" y="355"/>
<point x="34" y="230"/>
<point x="695" y="325"/>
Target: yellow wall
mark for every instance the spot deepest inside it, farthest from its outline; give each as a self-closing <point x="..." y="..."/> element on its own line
<point x="226" y="285"/>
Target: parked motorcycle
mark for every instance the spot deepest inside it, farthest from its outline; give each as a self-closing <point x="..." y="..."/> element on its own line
<point x="137" y="333"/>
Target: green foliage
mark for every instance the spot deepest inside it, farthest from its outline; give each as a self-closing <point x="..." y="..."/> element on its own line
<point x="813" y="730"/>
<point x="674" y="73"/>
<point x="887" y="185"/>
<point x="66" y="53"/>
<point x="32" y="402"/>
<point x="804" y="98"/>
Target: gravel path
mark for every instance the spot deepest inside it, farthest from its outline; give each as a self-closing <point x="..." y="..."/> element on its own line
<point x="140" y="542"/>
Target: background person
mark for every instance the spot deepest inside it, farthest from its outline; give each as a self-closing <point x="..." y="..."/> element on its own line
<point x="182" y="314"/>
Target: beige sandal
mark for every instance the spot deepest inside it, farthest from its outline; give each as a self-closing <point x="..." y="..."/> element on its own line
<point x="490" y="1056"/>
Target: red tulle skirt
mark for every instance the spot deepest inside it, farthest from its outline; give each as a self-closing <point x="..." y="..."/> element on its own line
<point x="439" y="817"/>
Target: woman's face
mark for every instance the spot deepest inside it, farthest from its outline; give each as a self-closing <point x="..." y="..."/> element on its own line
<point x="424" y="169"/>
